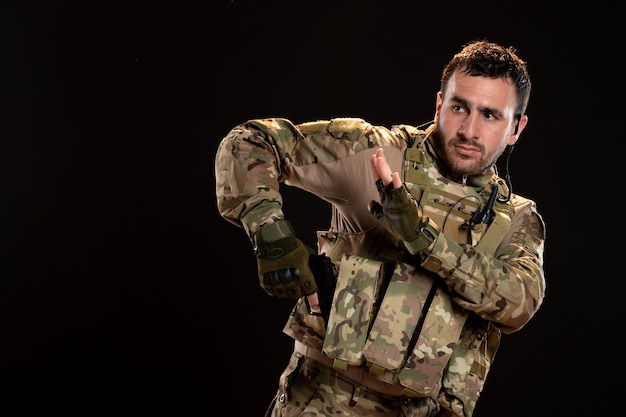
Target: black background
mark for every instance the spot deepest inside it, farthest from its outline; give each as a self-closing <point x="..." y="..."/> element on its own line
<point x="124" y="293"/>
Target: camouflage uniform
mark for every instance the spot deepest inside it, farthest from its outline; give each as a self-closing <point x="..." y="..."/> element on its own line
<point x="409" y="335"/>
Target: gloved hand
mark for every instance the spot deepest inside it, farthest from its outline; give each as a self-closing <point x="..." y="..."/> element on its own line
<point x="401" y="214"/>
<point x="283" y="261"/>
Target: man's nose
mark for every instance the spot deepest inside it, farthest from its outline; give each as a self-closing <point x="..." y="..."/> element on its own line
<point x="469" y="127"/>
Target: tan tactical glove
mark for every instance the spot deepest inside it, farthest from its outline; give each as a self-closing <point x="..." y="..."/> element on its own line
<point x="283" y="261"/>
<point x="401" y="214"/>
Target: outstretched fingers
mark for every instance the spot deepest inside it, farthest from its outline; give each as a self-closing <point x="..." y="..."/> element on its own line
<point x="383" y="170"/>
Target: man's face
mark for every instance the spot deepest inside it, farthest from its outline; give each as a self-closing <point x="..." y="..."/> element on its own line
<point x="474" y="121"/>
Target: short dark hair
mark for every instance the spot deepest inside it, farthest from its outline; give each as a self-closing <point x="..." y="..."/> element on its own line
<point x="492" y="60"/>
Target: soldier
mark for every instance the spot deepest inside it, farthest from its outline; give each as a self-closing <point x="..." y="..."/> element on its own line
<point x="429" y="257"/>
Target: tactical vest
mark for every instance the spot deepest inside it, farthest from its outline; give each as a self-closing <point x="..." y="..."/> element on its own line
<point x="402" y="326"/>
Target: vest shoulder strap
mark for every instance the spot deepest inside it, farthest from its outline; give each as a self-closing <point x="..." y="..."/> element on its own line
<point x="503" y="213"/>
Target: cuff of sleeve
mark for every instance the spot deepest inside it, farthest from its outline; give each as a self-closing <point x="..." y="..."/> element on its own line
<point x="425" y="237"/>
<point x="430" y="261"/>
<point x="275" y="239"/>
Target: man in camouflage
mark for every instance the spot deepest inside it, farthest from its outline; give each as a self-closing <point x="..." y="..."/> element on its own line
<point x="433" y="256"/>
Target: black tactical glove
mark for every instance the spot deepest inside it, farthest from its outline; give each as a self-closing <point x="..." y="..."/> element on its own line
<point x="401" y="214"/>
<point x="283" y="261"/>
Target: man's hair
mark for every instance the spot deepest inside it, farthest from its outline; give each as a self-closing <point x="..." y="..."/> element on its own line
<point x="488" y="59"/>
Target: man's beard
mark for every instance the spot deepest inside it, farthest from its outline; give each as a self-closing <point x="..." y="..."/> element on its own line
<point x="453" y="162"/>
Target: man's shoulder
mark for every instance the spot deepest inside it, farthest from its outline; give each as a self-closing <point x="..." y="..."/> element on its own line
<point x="519" y="201"/>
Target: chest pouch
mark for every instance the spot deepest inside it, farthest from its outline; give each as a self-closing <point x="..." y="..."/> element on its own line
<point x="414" y="332"/>
<point x="358" y="283"/>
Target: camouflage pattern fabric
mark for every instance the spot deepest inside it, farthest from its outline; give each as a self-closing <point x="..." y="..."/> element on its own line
<point x="352" y="310"/>
<point x="398" y="318"/>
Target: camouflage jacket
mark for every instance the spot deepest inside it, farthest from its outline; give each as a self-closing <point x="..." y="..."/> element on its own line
<point x="484" y="292"/>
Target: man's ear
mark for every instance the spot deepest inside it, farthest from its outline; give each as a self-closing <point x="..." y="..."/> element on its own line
<point x="517" y="130"/>
<point x="438" y="101"/>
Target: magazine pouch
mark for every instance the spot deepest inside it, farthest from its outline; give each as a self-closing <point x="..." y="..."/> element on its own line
<point x="358" y="284"/>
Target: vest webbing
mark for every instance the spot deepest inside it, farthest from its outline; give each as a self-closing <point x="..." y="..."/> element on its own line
<point x="450" y="204"/>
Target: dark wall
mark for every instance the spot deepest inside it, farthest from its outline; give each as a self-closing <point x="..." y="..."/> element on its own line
<point x="124" y="293"/>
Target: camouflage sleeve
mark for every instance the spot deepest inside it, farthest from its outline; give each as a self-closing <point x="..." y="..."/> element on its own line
<point x="248" y="168"/>
<point x="507" y="288"/>
<point x="254" y="158"/>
